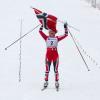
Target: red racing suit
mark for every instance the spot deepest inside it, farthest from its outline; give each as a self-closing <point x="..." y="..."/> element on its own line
<point x="52" y="53"/>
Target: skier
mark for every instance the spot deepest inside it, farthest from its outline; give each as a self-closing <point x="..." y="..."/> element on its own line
<point x="52" y="53"/>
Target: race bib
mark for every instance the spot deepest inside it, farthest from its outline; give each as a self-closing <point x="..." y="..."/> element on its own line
<point x="51" y="42"/>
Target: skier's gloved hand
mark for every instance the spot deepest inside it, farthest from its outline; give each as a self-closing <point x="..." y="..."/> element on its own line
<point x="65" y="25"/>
<point x="41" y="28"/>
<point x="66" y="28"/>
<point x="44" y="14"/>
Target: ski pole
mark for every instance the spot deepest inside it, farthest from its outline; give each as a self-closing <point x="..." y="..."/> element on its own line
<point x="69" y="25"/>
<point x="21" y="37"/>
<point x="79" y="51"/>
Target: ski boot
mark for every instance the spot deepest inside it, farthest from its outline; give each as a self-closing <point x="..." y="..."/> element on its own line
<point x="45" y="85"/>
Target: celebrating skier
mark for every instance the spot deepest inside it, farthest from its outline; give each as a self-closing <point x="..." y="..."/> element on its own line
<point x="52" y="53"/>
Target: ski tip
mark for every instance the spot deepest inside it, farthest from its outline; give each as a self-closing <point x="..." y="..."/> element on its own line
<point x="43" y="89"/>
<point x="31" y="7"/>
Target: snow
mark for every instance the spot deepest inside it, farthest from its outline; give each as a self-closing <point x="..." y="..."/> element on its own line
<point x="76" y="83"/>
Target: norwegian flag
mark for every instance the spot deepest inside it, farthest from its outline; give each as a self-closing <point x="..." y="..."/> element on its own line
<point x="48" y="21"/>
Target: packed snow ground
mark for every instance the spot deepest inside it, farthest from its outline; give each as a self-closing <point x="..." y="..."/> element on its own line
<point x="76" y="83"/>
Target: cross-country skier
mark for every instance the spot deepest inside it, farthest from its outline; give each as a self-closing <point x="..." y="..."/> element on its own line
<point x="52" y="53"/>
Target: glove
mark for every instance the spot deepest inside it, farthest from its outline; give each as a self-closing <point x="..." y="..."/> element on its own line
<point x="66" y="28"/>
<point x="65" y="25"/>
<point x="41" y="28"/>
<point x="44" y="14"/>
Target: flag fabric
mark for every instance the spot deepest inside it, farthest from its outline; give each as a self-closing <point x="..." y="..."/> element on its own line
<point x="47" y="20"/>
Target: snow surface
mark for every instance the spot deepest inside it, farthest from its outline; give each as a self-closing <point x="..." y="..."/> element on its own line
<point x="76" y="83"/>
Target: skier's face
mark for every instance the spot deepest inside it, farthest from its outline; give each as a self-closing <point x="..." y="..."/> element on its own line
<point x="51" y="33"/>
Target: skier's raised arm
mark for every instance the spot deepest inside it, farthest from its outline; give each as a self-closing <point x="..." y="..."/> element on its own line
<point x="66" y="33"/>
<point x="41" y="33"/>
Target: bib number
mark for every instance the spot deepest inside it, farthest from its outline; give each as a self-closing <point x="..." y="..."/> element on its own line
<point x="51" y="43"/>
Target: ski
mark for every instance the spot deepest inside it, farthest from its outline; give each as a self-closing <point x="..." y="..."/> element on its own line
<point x="44" y="88"/>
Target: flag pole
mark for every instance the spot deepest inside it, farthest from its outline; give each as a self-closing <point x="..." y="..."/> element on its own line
<point x="20" y="52"/>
